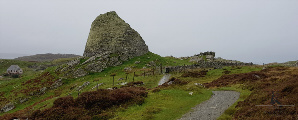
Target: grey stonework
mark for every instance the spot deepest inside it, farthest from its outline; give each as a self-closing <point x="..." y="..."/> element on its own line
<point x="209" y="56"/>
<point x="204" y="64"/>
<point x="7" y="107"/>
<point x="110" y="42"/>
<point x="110" y="33"/>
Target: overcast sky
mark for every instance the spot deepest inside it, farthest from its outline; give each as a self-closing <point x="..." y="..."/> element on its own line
<point x="259" y="31"/>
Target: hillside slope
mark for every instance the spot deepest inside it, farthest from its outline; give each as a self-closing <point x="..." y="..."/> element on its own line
<point x="43" y="88"/>
<point x="45" y="57"/>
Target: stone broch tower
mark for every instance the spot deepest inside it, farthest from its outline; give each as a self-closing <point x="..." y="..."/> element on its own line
<point x="109" y="33"/>
<point x="110" y="42"/>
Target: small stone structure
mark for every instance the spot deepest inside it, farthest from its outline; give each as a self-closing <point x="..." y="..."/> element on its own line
<point x="14" y="70"/>
<point x="205" y="56"/>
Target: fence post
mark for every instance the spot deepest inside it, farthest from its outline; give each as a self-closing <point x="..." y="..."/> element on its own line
<point x="97" y="87"/>
<point x="133" y="78"/>
<point x="144" y="73"/>
<point x="161" y="68"/>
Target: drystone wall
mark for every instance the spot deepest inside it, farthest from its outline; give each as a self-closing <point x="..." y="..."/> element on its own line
<point x="203" y="64"/>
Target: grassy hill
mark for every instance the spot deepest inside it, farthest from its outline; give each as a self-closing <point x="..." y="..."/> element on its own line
<point x="45" y="57"/>
<point x="32" y="81"/>
<point x="160" y="102"/>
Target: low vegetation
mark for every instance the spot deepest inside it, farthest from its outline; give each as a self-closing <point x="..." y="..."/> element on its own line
<point x="92" y="105"/>
<point x="136" y="93"/>
<point x="273" y="93"/>
<point x="46" y="57"/>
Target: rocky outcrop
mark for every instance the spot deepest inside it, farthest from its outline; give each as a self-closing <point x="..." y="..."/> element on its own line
<point x="110" y="42"/>
<point x="110" y="33"/>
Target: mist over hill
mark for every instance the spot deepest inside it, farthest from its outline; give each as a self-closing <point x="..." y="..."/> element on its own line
<point x="45" y="57"/>
<point x="11" y="55"/>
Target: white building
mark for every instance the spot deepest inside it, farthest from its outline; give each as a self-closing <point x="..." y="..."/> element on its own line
<point x="14" y="69"/>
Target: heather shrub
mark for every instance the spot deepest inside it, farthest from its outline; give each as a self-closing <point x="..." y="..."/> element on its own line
<point x="173" y="82"/>
<point x="119" y="96"/>
<point x="195" y="74"/>
<point x="155" y="90"/>
<point x="93" y="103"/>
<point x="64" y="102"/>
<point x="91" y="99"/>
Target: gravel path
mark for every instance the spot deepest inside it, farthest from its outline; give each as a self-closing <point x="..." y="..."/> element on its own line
<point x="214" y="107"/>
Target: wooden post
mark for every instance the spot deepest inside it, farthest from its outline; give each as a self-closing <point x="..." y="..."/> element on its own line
<point x="161" y="68"/>
<point x="97" y="87"/>
<point x="113" y="74"/>
<point x="153" y="71"/>
<point x="144" y="73"/>
<point x="126" y="76"/>
<point x="113" y="80"/>
<point x="133" y="78"/>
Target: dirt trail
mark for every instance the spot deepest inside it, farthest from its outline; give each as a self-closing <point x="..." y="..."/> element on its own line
<point x="214" y="107"/>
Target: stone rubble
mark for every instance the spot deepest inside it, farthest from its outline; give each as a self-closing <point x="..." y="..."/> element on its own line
<point x="199" y="84"/>
<point x="96" y="86"/>
<point x="83" y="86"/>
<point x="7" y="107"/>
<point x="56" y="84"/>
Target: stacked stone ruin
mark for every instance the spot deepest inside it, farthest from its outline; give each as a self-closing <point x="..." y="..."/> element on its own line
<point x="209" y="56"/>
<point x="110" y="42"/>
<point x="110" y="33"/>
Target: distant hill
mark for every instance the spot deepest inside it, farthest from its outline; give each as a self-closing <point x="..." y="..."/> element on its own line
<point x="45" y="57"/>
<point x="11" y="55"/>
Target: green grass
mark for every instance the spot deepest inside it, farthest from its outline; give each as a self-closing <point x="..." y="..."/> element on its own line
<point x="164" y="105"/>
<point x="104" y="76"/>
<point x="33" y="100"/>
<point x="244" y="93"/>
<point x="175" y="101"/>
<point x="169" y="103"/>
<point x="7" y="86"/>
